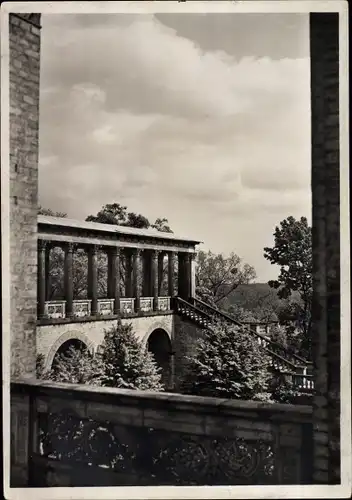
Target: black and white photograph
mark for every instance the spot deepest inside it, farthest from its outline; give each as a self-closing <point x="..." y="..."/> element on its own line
<point x="175" y="249"/>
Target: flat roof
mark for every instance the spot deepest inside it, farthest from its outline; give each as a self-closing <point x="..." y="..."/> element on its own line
<point x="111" y="228"/>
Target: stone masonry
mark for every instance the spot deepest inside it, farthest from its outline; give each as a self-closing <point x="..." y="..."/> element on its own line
<point x="24" y="34"/>
<point x="324" y="44"/>
<point x="51" y="337"/>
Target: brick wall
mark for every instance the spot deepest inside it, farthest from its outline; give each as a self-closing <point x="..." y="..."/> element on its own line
<point x="326" y="252"/>
<point x="24" y="34"/>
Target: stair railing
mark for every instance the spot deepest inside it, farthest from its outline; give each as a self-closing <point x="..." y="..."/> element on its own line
<point x="275" y="347"/>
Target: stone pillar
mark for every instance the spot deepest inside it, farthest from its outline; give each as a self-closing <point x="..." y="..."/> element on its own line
<point x="181" y="275"/>
<point x="147" y="274"/>
<point x="93" y="279"/>
<point x="69" y="279"/>
<point x="171" y="274"/>
<point x="22" y="208"/>
<point x="155" y="279"/>
<point x="129" y="273"/>
<point x="326" y="328"/>
<point x="41" y="277"/>
<point x="160" y="271"/>
<point x="110" y="273"/>
<point x="137" y="279"/>
<point x="47" y="272"/>
<point x="192" y="292"/>
<point x="116" y="279"/>
<point x="186" y="276"/>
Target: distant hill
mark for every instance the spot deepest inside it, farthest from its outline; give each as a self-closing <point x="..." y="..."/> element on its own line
<point x="251" y="295"/>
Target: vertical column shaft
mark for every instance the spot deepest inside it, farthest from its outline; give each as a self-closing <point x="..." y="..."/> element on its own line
<point x="160" y="271"/>
<point x="47" y="272"/>
<point x="137" y="278"/>
<point x="41" y="278"/>
<point x="187" y="276"/>
<point x="129" y="272"/>
<point x="147" y="275"/>
<point x="111" y="273"/>
<point x="69" y="279"/>
<point x="155" y="284"/>
<point x="171" y="274"/>
<point x="192" y="291"/>
<point x="115" y="278"/>
<point x="181" y="276"/>
<point x="93" y="279"/>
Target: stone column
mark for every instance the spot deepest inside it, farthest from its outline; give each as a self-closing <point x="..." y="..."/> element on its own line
<point x="110" y="273"/>
<point x="171" y="274"/>
<point x="147" y="274"/>
<point x="69" y="279"/>
<point x="93" y="279"/>
<point x="181" y="275"/>
<point x="129" y="273"/>
<point x="47" y="272"/>
<point x="116" y="279"/>
<point x="160" y="271"/>
<point x="136" y="279"/>
<point x="155" y="284"/>
<point x="187" y="277"/>
<point x="192" y="292"/>
<point x="41" y="277"/>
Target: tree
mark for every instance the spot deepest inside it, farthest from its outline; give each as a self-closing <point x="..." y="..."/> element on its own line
<point x="218" y="276"/>
<point x="162" y="225"/>
<point x="124" y="363"/>
<point x="228" y="363"/>
<point x="127" y="363"/>
<point x="292" y="251"/>
<point x="75" y="366"/>
<point x="114" y="213"/>
<point x="51" y="213"/>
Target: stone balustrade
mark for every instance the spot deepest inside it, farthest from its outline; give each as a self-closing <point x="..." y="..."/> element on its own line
<point x="56" y="310"/>
<point x="146" y="304"/>
<point x="82" y="308"/>
<point x="69" y="435"/>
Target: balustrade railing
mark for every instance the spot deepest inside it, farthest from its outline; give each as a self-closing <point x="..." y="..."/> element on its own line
<point x="305" y="383"/>
<point x="282" y="359"/>
<point x="146" y="304"/>
<point x="105" y="307"/>
<point x="69" y="435"/>
<point x="164" y="303"/>
<point x="127" y="306"/>
<point x="82" y="308"/>
<point x="55" y="309"/>
<point x="274" y="347"/>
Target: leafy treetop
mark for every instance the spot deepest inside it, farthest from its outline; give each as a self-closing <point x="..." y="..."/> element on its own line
<point x="114" y="213"/>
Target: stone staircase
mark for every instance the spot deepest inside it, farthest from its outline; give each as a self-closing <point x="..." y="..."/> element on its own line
<point x="283" y="360"/>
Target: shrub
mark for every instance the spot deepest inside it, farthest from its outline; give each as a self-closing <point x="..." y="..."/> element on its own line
<point x="228" y="363"/>
<point x="127" y="363"/>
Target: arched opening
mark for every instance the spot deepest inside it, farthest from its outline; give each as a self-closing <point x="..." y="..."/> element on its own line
<point x="160" y="346"/>
<point x="64" y="350"/>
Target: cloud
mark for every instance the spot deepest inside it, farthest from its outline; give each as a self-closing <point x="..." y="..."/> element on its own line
<point x="132" y="112"/>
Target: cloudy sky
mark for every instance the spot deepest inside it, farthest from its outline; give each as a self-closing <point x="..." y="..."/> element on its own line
<point x="202" y="119"/>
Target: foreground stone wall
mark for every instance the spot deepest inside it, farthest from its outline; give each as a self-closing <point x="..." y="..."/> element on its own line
<point x="141" y="438"/>
<point x="324" y="45"/>
<point x="24" y="32"/>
